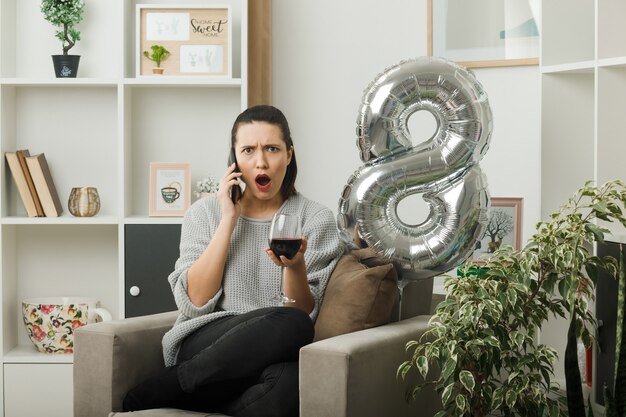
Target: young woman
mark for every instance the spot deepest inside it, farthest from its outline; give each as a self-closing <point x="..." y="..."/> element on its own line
<point x="232" y="349"/>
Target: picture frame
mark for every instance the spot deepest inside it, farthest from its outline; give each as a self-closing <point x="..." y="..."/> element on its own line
<point x="198" y="38"/>
<point x="170" y="189"/>
<point x="484" y="33"/>
<point x="504" y="227"/>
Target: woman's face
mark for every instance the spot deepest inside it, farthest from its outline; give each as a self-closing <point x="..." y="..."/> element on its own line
<point x="262" y="157"/>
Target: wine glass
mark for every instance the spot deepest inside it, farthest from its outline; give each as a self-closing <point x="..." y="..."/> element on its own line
<point x="285" y="239"/>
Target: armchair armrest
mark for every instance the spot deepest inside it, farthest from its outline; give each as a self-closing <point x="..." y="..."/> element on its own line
<point x="355" y="374"/>
<point x="112" y="357"/>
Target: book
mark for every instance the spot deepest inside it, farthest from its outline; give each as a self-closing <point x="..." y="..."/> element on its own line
<point x="40" y="172"/>
<point x="21" y="156"/>
<point x="21" y="183"/>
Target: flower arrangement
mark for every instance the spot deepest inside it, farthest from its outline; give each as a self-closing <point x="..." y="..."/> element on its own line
<point x="207" y="185"/>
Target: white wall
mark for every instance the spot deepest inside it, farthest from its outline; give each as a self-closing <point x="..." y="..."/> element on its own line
<point x="325" y="53"/>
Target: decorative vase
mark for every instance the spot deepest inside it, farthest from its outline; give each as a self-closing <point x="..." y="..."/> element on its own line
<point x="65" y="66"/>
<point x="203" y="195"/>
<point x="84" y="201"/>
<point x="157" y="71"/>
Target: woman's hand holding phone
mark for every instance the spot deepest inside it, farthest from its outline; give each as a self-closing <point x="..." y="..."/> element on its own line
<point x="235" y="190"/>
<point x="230" y="181"/>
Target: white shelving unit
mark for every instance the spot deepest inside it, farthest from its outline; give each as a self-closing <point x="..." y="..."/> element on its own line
<point x="101" y="129"/>
<point x="583" y="66"/>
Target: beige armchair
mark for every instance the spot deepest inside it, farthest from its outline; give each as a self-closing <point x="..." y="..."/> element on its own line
<point x="351" y="375"/>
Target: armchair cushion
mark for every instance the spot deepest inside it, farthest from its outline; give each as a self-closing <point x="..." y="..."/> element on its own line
<point x="111" y="357"/>
<point x="360" y="294"/>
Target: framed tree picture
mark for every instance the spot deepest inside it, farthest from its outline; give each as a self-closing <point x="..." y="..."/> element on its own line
<point x="170" y="189"/>
<point x="504" y="227"/>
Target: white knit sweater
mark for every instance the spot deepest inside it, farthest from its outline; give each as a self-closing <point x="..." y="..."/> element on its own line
<point x="251" y="279"/>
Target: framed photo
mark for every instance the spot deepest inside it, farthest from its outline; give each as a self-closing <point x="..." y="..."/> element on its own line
<point x="170" y="189"/>
<point x="199" y="39"/>
<point x="485" y="33"/>
<point x="504" y="227"/>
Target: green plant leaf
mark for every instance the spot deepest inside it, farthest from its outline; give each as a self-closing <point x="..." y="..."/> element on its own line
<point x="460" y="402"/>
<point x="510" y="398"/>
<point x="467" y="379"/>
<point x="447" y="393"/>
<point x="422" y="365"/>
<point x="448" y="368"/>
<point x="597" y="231"/>
<point x="496" y="400"/>
<point x="512" y="296"/>
<point x="403" y="369"/>
<point x="546" y="376"/>
<point x="554" y="410"/>
<point x="512" y="376"/>
<point x="411" y="344"/>
<point x="492" y="341"/>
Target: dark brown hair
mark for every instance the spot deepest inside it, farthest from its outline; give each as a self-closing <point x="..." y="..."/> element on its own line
<point x="271" y="115"/>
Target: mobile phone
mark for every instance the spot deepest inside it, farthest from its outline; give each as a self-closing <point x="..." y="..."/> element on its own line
<point x="235" y="190"/>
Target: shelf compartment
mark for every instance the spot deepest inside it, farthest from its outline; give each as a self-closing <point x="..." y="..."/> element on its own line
<point x="27" y="47"/>
<point x="53" y="261"/>
<point x="76" y="128"/>
<point x="567" y="151"/>
<point x="52" y="384"/>
<point x="568" y="31"/>
<point x="196" y="129"/>
<point x="612" y="31"/>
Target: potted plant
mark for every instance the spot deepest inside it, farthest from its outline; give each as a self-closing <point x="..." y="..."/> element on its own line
<point x="159" y="53"/>
<point x="65" y="14"/>
<point x="206" y="186"/>
<point x="483" y="337"/>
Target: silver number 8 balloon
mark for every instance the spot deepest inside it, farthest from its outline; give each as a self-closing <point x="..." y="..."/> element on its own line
<point x="444" y="168"/>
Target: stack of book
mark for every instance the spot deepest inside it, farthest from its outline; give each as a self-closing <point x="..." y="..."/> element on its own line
<point x="34" y="183"/>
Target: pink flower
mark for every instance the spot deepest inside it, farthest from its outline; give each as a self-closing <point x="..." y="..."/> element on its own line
<point x="47" y="308"/>
<point x="38" y="334"/>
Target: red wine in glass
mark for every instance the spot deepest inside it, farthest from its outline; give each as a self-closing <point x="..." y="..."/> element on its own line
<point x="285" y="240"/>
<point x="286" y="247"/>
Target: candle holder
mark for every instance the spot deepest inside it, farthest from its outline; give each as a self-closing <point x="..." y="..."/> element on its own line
<point x="84" y="201"/>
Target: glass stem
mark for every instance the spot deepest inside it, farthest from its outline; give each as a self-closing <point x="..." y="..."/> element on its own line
<point x="282" y="282"/>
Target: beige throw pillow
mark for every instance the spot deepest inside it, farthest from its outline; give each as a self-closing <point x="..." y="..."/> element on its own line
<point x="360" y="294"/>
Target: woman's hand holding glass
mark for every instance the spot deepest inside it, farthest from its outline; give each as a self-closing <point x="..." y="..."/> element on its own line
<point x="287" y="248"/>
<point x="286" y="262"/>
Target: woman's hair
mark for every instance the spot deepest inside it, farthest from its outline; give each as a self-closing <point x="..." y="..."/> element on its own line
<point x="271" y="115"/>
